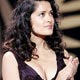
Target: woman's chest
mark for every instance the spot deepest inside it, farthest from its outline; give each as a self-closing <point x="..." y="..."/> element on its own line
<point x="49" y="68"/>
<point x="46" y="68"/>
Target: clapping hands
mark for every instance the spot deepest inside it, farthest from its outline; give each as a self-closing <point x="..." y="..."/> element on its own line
<point x="68" y="72"/>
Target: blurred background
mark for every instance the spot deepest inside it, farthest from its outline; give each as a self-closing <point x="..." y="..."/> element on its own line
<point x="70" y="24"/>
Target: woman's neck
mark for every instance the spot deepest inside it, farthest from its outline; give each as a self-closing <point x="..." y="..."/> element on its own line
<point x="41" y="46"/>
<point x="39" y="41"/>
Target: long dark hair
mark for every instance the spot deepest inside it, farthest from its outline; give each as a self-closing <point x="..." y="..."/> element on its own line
<point x="17" y="36"/>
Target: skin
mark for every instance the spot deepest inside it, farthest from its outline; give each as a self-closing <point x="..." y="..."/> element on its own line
<point x="42" y="25"/>
<point x="42" y="19"/>
<point x="70" y="70"/>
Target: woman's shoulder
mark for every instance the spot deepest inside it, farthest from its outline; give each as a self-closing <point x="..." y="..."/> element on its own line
<point x="9" y="67"/>
<point x="9" y="57"/>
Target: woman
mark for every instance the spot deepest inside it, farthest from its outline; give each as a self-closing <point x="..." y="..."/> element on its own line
<point x="33" y="44"/>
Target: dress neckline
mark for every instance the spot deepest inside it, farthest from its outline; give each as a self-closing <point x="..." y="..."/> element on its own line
<point x="59" y="66"/>
<point x="38" y="73"/>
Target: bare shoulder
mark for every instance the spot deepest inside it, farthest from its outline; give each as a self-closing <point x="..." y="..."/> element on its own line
<point x="9" y="67"/>
<point x="9" y="58"/>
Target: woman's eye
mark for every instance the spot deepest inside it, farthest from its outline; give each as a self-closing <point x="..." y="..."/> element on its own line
<point x="51" y="12"/>
<point x="42" y="14"/>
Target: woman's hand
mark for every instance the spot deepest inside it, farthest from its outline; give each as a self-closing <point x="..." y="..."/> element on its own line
<point x="70" y="70"/>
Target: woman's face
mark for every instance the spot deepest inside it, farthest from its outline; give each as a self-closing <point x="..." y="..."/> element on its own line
<point x="42" y="20"/>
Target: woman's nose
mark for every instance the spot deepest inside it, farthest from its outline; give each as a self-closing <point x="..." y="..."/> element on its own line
<point x="49" y="18"/>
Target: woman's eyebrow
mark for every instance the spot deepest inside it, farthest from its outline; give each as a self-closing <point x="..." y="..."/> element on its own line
<point x="46" y="11"/>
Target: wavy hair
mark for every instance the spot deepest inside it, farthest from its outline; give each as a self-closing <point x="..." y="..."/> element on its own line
<point x="17" y="36"/>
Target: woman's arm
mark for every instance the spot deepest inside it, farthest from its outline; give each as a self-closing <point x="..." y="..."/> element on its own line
<point x="9" y="67"/>
<point x="74" y="62"/>
<point x="68" y="72"/>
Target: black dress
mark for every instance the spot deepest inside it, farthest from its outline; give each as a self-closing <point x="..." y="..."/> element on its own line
<point x="28" y="73"/>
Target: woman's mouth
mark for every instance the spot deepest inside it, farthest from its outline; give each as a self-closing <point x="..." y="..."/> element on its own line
<point x="49" y="27"/>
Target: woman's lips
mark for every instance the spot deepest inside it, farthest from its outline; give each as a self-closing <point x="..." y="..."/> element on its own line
<point x="49" y="26"/>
